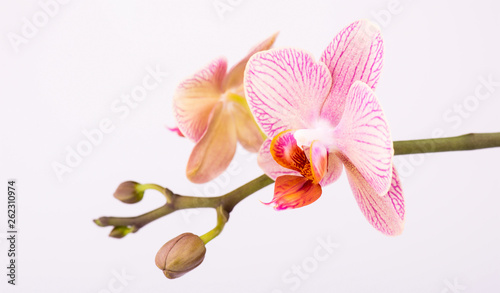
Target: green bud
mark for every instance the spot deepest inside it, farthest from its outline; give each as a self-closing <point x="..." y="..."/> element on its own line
<point x="99" y="223"/>
<point x="119" y="231"/>
<point x="129" y="192"/>
<point x="180" y="255"/>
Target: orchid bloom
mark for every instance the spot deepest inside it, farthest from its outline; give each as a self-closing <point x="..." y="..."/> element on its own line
<point x="211" y="110"/>
<point x="320" y="116"/>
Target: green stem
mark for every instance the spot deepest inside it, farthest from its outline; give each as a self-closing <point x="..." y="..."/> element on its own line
<point x="180" y="202"/>
<point x="165" y="191"/>
<point x="227" y="202"/>
<point x="135" y="222"/>
<point x="222" y="217"/>
<point x="231" y="199"/>
<point x="471" y="141"/>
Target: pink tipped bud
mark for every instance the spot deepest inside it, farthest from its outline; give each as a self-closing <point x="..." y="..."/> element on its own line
<point x="180" y="255"/>
<point x="128" y="192"/>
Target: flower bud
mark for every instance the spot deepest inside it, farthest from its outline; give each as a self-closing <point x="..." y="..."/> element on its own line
<point x="180" y="255"/>
<point x="120" y="232"/>
<point x="128" y="192"/>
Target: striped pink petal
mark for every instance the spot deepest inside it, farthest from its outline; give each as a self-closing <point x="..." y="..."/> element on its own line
<point x="385" y="213"/>
<point x="363" y="136"/>
<point x="291" y="192"/>
<point x="234" y="77"/>
<point x="214" y="151"/>
<point x="196" y="97"/>
<point x="285" y="89"/>
<point x="268" y="164"/>
<point x="355" y="54"/>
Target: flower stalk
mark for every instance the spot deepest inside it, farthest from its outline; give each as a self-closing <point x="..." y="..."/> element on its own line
<point x="225" y="204"/>
<point x="222" y="217"/>
<point x="466" y="142"/>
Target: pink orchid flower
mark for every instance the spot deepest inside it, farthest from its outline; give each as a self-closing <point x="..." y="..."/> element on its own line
<point x="321" y="116"/>
<point x="211" y="110"/>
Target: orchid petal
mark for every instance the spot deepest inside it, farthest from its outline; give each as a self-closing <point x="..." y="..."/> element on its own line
<point x="292" y="192"/>
<point x="234" y="77"/>
<point x="248" y="132"/>
<point x="318" y="155"/>
<point x="363" y="136"/>
<point x="385" y="213"/>
<point x="268" y="164"/>
<point x="285" y="89"/>
<point x="196" y="97"/>
<point x="395" y="193"/>
<point x="215" y="150"/>
<point x="288" y="154"/>
<point x="355" y="54"/>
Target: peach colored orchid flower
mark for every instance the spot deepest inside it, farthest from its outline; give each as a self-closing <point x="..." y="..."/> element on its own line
<point x="320" y="116"/>
<point x="211" y="110"/>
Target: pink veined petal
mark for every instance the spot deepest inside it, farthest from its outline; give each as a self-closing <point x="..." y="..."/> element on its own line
<point x="385" y="213"/>
<point x="291" y="192"/>
<point x="268" y="164"/>
<point x="234" y="77"/>
<point x="196" y="97"/>
<point x="318" y="155"/>
<point x="355" y="54"/>
<point x="215" y="150"/>
<point x="363" y="136"/>
<point x="285" y="89"/>
<point x="395" y="193"/>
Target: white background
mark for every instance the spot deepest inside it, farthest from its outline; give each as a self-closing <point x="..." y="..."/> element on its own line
<point x="65" y="78"/>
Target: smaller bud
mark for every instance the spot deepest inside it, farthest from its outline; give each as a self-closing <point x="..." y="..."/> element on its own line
<point x="99" y="222"/>
<point x="120" y="232"/>
<point x="129" y="192"/>
<point x="180" y="255"/>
